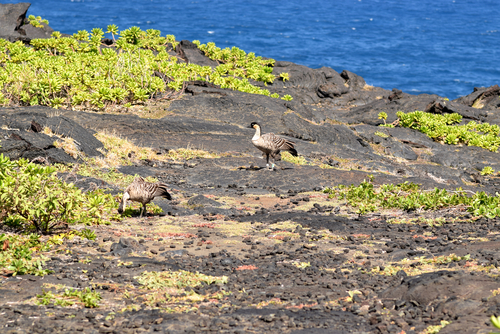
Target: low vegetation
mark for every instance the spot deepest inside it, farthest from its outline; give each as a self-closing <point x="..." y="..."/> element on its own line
<point x="37" y="21"/>
<point x="408" y="196"/>
<point x="383" y="116"/>
<point x="20" y="255"/>
<point x="436" y="328"/>
<point x="420" y="265"/>
<point x="70" y="297"/>
<point x="121" y="151"/>
<point x="299" y="160"/>
<point x="82" y="72"/>
<point x="177" y="279"/>
<point x="441" y="128"/>
<point x="33" y="199"/>
<point x="26" y="253"/>
<point x="495" y="321"/>
<point x="487" y="171"/>
<point x="173" y="290"/>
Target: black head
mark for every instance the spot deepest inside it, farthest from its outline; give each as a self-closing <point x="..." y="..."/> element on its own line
<point x="254" y="125"/>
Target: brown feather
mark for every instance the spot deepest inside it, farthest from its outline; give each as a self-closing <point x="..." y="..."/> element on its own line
<point x="144" y="192"/>
<point x="271" y="144"/>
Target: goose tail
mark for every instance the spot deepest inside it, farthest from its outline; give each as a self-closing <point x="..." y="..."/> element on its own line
<point x="162" y="191"/>
<point x="293" y="152"/>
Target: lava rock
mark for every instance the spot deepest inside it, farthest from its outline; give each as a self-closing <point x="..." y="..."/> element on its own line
<point x="14" y="26"/>
<point x="125" y="246"/>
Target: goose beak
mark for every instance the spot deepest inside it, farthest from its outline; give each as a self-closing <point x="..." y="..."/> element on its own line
<point x="250" y="127"/>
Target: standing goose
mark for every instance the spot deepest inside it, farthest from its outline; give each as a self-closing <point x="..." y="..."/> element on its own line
<point x="143" y="192"/>
<point x="271" y="144"/>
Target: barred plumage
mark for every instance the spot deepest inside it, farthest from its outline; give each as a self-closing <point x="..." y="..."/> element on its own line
<point x="143" y="192"/>
<point x="271" y="144"/>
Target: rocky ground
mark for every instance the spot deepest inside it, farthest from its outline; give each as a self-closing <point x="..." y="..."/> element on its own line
<point x="295" y="260"/>
<point x="291" y="259"/>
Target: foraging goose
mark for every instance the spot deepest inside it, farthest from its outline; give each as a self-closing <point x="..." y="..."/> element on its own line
<point x="271" y="144"/>
<point x="143" y="192"/>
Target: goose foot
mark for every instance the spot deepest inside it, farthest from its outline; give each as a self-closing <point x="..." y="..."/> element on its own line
<point x="270" y="167"/>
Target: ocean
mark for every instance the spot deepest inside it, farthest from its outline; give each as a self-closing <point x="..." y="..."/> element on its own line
<point x="444" y="47"/>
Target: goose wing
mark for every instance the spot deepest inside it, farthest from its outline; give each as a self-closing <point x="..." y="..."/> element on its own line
<point x="278" y="143"/>
<point x="160" y="189"/>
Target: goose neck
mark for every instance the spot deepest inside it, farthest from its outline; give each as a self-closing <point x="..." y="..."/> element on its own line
<point x="257" y="134"/>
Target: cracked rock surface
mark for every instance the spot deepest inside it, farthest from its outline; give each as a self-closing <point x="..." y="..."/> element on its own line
<point x="295" y="260"/>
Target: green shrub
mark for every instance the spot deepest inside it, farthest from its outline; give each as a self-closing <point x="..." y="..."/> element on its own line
<point x="86" y="297"/>
<point x="239" y="64"/>
<point x="495" y="321"/>
<point x="440" y="128"/>
<point x="32" y="198"/>
<point x="383" y="116"/>
<point x="409" y="196"/>
<point x="37" y="21"/>
<point x="87" y="234"/>
<point x="18" y="255"/>
<point x="81" y="71"/>
<point x="487" y="170"/>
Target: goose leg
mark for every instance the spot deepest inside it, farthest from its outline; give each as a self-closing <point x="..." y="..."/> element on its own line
<point x="267" y="160"/>
<point x="143" y="210"/>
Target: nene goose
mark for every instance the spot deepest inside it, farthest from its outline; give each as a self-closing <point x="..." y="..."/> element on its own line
<point x="143" y="192"/>
<point x="271" y="144"/>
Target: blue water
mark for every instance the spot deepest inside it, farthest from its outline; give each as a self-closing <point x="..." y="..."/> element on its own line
<point x="446" y="47"/>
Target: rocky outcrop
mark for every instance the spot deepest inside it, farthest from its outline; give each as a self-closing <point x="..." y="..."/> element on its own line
<point x="483" y="97"/>
<point x="14" y="25"/>
<point x="125" y="246"/>
<point x="189" y="52"/>
<point x="486" y="99"/>
<point x="311" y="86"/>
<point x="441" y="106"/>
<point x="22" y="136"/>
<point x="215" y="119"/>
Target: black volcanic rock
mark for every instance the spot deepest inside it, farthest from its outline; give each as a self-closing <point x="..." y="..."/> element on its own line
<point x="441" y="106"/>
<point x="354" y="81"/>
<point x="37" y="32"/>
<point x="483" y="98"/>
<point x="36" y="147"/>
<point x="189" y="52"/>
<point x="125" y="246"/>
<point x="335" y="85"/>
<point x="14" y="26"/>
<point x="299" y="75"/>
<point x="25" y="126"/>
<point x="201" y="200"/>
<point x="311" y="86"/>
<point x="399" y="149"/>
<point x="368" y="113"/>
<point x="11" y="19"/>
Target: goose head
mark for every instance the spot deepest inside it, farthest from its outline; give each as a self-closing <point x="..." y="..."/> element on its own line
<point x="254" y="125"/>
